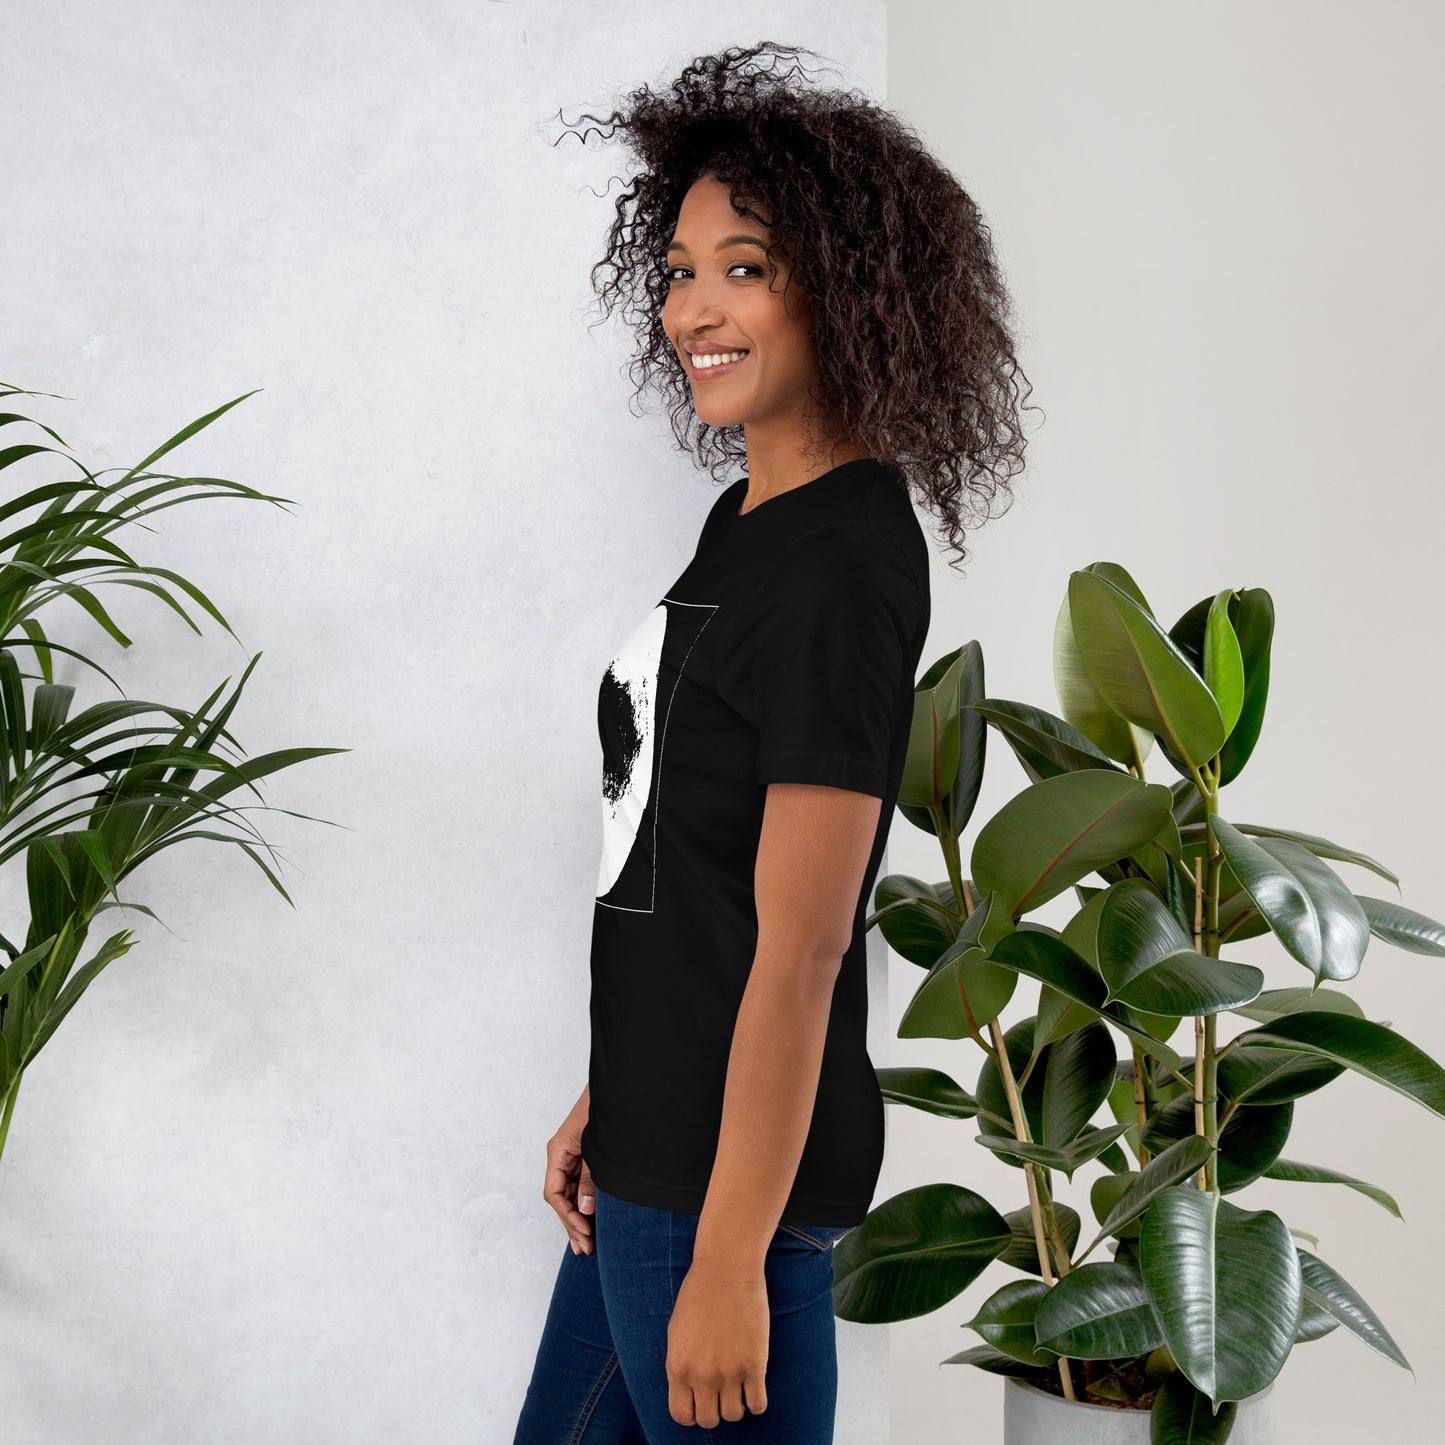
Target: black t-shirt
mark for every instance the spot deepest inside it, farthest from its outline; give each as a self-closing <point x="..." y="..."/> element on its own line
<point x="787" y="651"/>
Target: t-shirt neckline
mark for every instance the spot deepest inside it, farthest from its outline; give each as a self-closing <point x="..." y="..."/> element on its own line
<point x="855" y="469"/>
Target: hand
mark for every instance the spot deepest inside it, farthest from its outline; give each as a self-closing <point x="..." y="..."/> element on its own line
<point x="717" y="1345"/>
<point x="568" y="1187"/>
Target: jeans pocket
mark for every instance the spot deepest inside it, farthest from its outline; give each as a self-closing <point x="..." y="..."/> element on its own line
<point x="817" y="1236"/>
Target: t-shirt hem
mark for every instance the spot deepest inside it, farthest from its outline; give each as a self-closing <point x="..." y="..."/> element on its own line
<point x="832" y="771"/>
<point x="688" y="1199"/>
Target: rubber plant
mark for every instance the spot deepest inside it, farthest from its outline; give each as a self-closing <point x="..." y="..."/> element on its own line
<point x="1202" y="1298"/>
<point x="86" y="797"/>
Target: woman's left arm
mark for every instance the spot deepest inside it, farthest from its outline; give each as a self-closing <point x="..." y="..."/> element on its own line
<point x="812" y="852"/>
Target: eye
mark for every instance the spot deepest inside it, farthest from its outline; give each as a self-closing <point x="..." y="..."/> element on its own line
<point x="667" y="271"/>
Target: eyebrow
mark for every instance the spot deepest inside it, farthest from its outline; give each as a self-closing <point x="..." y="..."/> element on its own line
<point x="739" y="240"/>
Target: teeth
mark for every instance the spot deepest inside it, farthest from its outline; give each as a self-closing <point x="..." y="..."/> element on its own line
<point x="716" y="358"/>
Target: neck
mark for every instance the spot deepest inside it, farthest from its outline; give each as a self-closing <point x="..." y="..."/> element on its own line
<point x="778" y="463"/>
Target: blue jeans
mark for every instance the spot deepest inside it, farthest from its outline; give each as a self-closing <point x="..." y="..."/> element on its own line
<point x="601" y="1372"/>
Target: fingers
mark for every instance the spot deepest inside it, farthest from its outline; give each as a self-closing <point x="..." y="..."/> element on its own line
<point x="755" y="1393"/>
<point x="685" y="1407"/>
<point x="705" y="1407"/>
<point x="560" y="1190"/>
<point x="730" y="1403"/>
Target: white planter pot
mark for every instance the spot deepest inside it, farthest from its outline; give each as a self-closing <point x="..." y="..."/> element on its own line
<point x="1035" y="1417"/>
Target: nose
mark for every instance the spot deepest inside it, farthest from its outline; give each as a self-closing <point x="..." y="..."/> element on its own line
<point x="694" y="308"/>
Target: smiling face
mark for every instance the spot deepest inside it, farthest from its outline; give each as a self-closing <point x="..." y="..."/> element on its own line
<point x="725" y="294"/>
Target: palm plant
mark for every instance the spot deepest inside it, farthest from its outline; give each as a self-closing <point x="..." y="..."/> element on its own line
<point x="1203" y="1299"/>
<point x="87" y="798"/>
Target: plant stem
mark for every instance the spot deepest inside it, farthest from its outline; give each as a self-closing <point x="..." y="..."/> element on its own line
<point x="1138" y="764"/>
<point x="963" y="892"/>
<point x="1055" y="1230"/>
<point x="1206" y="941"/>
<point x="1036" y="1213"/>
<point x="1211" y="1103"/>
<point x="964" y="896"/>
<point x="10" y="1094"/>
<point x="1202" y="1174"/>
<point x="952" y="861"/>
<point x="1141" y="1104"/>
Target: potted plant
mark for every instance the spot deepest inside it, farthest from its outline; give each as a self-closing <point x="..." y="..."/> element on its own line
<point x="86" y="797"/>
<point x="1178" y="1334"/>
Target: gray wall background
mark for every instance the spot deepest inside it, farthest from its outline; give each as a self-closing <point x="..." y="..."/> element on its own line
<point x="278" y="1177"/>
<point x="1223" y="227"/>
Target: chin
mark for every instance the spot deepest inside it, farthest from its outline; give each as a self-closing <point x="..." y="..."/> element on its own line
<point x="716" y="416"/>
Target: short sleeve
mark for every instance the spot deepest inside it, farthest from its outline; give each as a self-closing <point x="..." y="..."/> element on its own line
<point x="828" y="660"/>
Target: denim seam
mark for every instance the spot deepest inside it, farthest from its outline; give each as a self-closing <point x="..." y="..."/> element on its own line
<point x="803" y="1234"/>
<point x="589" y="1405"/>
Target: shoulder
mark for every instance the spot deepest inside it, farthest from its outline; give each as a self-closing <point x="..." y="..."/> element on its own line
<point x="893" y="517"/>
<point x="845" y="568"/>
<point x="875" y="544"/>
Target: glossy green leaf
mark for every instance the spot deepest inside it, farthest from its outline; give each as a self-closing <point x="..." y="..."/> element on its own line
<point x="1059" y="1015"/>
<point x="1188" y="983"/>
<point x="993" y="1096"/>
<point x="1223" y="670"/>
<point x="1053" y="962"/>
<point x="1059" y="830"/>
<point x="1006" y="1320"/>
<point x="915" y="1252"/>
<point x="931" y="766"/>
<point x="1248" y="1144"/>
<point x="1098" y="1311"/>
<point x="963" y="990"/>
<point x="1320" y="847"/>
<point x="992" y="1360"/>
<point x="963" y="987"/>
<point x="943" y="768"/>
<point x="1360" y="1044"/>
<point x="1132" y="931"/>
<point x="1402" y="926"/>
<point x="1105" y="1192"/>
<point x="1088" y="1145"/>
<point x="1023" y="1250"/>
<point x="1251" y="614"/>
<point x="1302" y="899"/>
<point x="931" y="1090"/>
<point x="1239" y="919"/>
<point x="1083" y="705"/>
<point x="916" y="923"/>
<point x="1114" y="1158"/>
<point x="1182" y="1415"/>
<point x="1255" y="1074"/>
<point x="1225" y="1284"/>
<point x="1292" y="1169"/>
<point x="1120" y="932"/>
<point x="1275" y="1003"/>
<point x="1140" y="672"/>
<point x="1328" y="1289"/>
<point x="1315" y="1321"/>
<point x="1077" y="1079"/>
<point x="1182" y="1159"/>
<point x="1045" y="745"/>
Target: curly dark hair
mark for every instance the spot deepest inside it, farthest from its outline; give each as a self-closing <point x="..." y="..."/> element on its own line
<point x="909" y="310"/>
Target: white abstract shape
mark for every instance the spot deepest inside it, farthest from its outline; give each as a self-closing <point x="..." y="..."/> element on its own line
<point x="634" y="671"/>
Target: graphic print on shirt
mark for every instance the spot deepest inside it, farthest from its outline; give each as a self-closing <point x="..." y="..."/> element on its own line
<point x="632" y="708"/>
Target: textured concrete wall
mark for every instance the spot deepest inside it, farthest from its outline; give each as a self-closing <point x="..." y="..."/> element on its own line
<point x="278" y="1177"/>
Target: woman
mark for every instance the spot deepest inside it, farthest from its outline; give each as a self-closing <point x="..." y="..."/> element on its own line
<point x="817" y="298"/>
